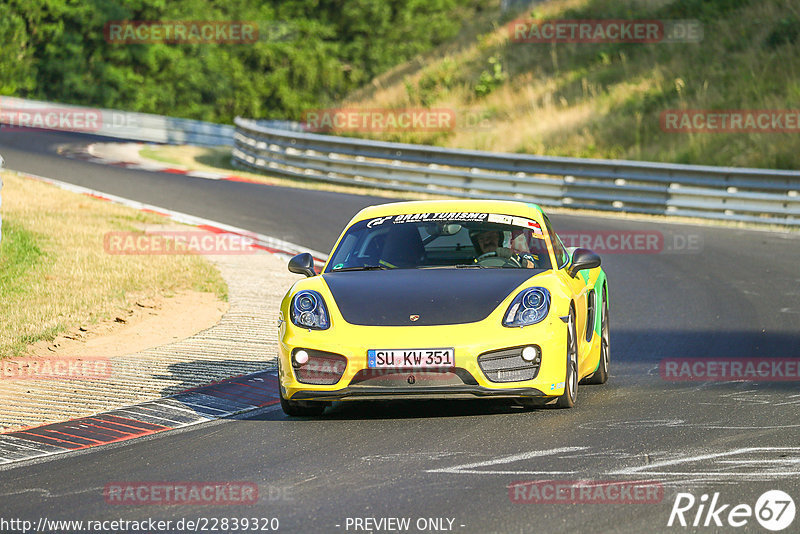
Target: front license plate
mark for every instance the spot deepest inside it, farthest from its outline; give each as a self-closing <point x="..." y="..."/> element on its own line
<point x="419" y="358"/>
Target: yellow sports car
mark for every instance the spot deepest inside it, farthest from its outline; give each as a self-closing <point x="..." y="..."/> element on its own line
<point x="444" y="299"/>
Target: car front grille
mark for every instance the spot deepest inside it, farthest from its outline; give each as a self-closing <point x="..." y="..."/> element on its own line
<point x="322" y="368"/>
<point x="412" y="377"/>
<point x="507" y="365"/>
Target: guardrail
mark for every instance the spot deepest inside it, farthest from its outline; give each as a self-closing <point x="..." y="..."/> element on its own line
<point x="112" y="123"/>
<point x="759" y="196"/>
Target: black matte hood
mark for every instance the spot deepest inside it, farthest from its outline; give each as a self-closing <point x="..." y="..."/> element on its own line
<point x="437" y="296"/>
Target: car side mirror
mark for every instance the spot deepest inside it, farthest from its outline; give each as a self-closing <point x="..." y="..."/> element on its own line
<point x="302" y="264"/>
<point x="582" y="259"/>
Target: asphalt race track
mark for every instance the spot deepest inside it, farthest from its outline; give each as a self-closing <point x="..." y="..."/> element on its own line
<point x="708" y="293"/>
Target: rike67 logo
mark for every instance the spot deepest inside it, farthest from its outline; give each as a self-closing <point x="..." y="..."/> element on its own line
<point x="774" y="510"/>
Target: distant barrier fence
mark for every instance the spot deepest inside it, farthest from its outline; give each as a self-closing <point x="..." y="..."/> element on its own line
<point x="760" y="196"/>
<point x="20" y="112"/>
<point x="285" y="148"/>
<point x="25" y="113"/>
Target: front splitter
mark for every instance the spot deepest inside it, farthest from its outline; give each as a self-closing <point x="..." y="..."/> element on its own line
<point x="422" y="392"/>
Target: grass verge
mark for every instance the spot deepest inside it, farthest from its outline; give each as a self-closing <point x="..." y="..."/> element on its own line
<point x="605" y="100"/>
<point x="56" y="275"/>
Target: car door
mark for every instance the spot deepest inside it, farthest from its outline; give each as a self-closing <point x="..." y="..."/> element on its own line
<point x="577" y="289"/>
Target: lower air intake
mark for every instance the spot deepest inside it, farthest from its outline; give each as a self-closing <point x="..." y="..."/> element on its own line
<point x="507" y="365"/>
<point x="322" y="368"/>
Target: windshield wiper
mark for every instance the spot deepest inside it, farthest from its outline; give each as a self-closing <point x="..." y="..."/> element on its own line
<point x="470" y="266"/>
<point x="361" y="268"/>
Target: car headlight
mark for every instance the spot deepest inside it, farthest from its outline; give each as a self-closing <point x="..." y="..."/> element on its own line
<point x="309" y="311"/>
<point x="529" y="307"/>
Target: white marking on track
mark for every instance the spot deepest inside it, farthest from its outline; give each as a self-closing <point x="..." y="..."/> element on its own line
<point x="400" y="456"/>
<point x="636" y="423"/>
<point x="470" y="469"/>
<point x="206" y="175"/>
<point x="787" y="463"/>
<point x="781" y="461"/>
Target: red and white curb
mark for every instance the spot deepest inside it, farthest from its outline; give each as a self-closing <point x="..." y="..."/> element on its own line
<point x="233" y="396"/>
<point x="227" y="398"/>
<point x="279" y="247"/>
<point x="89" y="153"/>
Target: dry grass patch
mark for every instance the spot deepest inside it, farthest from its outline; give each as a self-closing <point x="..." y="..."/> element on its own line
<point x="605" y="100"/>
<point x="55" y="274"/>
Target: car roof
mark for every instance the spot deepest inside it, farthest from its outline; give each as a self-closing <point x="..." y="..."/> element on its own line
<point x="504" y="207"/>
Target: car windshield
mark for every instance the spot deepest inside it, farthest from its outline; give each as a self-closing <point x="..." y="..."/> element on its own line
<point x="442" y="240"/>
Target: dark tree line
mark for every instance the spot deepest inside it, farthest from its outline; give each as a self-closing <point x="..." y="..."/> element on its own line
<point x="309" y="53"/>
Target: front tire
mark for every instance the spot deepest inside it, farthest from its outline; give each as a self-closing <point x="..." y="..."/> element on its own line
<point x="301" y="408"/>
<point x="601" y="375"/>
<point x="567" y="400"/>
<point x="530" y="403"/>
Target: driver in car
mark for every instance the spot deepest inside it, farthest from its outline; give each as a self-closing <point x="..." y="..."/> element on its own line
<point x="489" y="241"/>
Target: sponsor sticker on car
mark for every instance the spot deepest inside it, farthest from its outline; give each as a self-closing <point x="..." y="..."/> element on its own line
<point x="459" y="217"/>
<point x="416" y="358"/>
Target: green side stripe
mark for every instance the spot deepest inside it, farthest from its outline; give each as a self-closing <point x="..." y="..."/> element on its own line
<point x="598" y="306"/>
<point x="536" y="207"/>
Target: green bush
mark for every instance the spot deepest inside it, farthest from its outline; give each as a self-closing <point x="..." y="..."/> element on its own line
<point x="310" y="53"/>
<point x="490" y="79"/>
<point x="784" y="32"/>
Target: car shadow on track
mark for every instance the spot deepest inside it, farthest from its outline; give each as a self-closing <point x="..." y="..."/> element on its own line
<point x="656" y="345"/>
<point x="402" y="409"/>
<point x="362" y="410"/>
<point x="184" y="376"/>
<point x="421" y="409"/>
